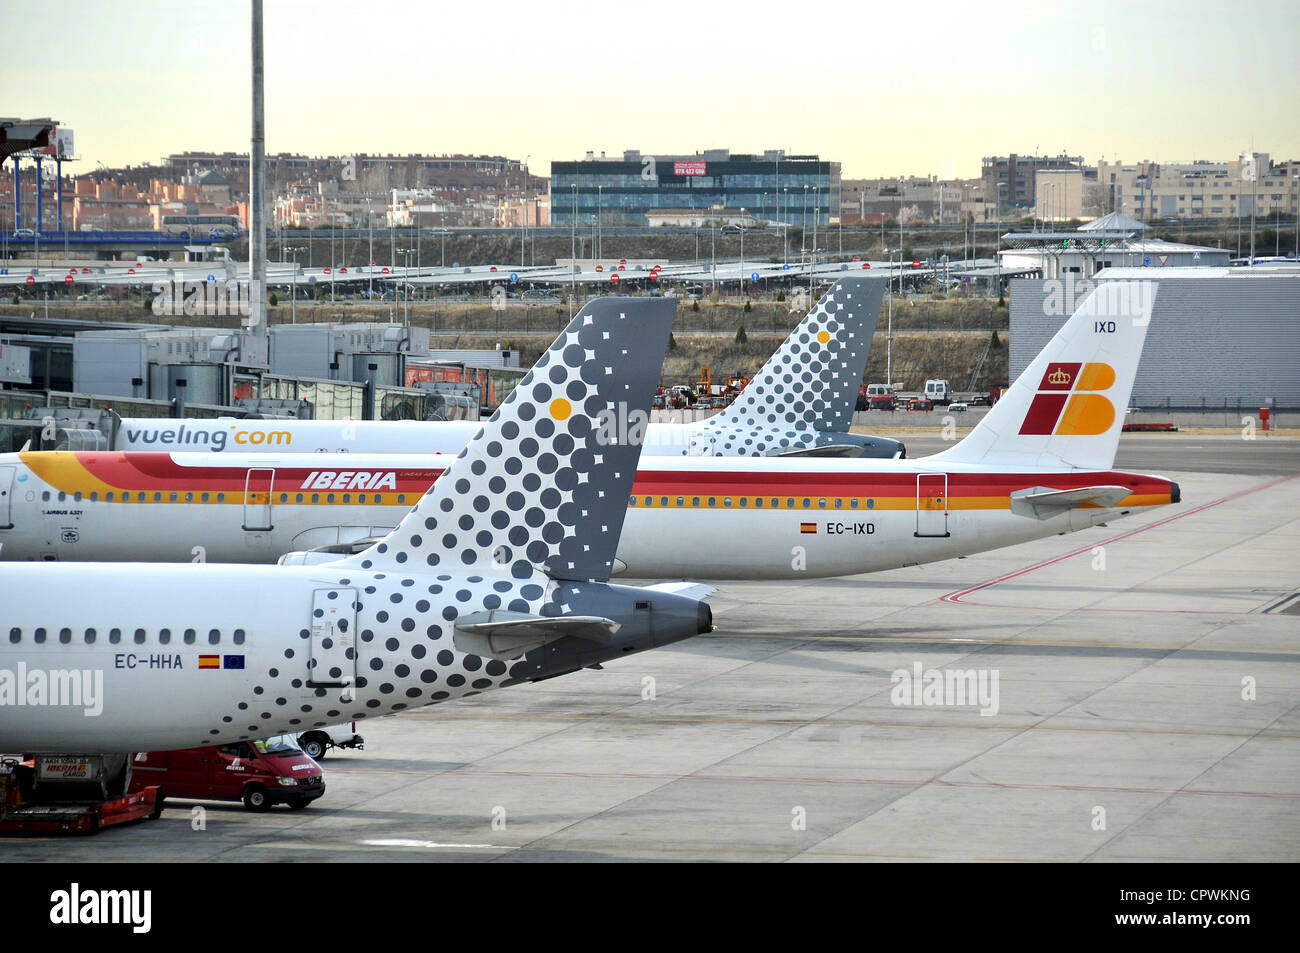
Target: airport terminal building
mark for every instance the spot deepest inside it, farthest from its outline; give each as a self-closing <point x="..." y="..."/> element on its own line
<point x="1220" y="339"/>
<point x="799" y="191"/>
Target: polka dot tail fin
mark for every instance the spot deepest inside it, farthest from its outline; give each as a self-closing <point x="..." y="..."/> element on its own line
<point x="809" y="385"/>
<point x="543" y="487"/>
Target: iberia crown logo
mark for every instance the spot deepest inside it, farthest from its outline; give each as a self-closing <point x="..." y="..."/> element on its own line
<point x="1068" y="403"/>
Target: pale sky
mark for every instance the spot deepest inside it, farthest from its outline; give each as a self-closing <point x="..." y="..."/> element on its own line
<point x="902" y="88"/>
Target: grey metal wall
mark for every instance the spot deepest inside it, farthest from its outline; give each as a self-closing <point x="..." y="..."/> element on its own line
<point x="1214" y="342"/>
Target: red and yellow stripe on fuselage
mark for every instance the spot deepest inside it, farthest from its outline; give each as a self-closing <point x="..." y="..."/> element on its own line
<point x="157" y="478"/>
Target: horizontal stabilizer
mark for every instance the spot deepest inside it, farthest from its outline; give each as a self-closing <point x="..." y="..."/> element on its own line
<point x="689" y="590"/>
<point x="1043" y="502"/>
<point x="498" y="634"/>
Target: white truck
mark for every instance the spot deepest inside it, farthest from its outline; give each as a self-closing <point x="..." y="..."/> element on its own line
<point x="939" y="392"/>
<point x="316" y="741"/>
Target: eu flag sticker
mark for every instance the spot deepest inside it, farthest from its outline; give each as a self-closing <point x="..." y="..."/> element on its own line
<point x="232" y="661"/>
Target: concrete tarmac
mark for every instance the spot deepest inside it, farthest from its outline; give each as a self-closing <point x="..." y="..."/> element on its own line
<point x="1147" y="707"/>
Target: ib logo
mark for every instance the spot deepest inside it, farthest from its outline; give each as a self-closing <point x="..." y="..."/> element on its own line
<point x="1068" y="403"/>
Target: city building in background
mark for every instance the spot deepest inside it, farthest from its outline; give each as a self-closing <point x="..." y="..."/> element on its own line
<point x="915" y="199"/>
<point x="1058" y="195"/>
<point x="1157" y="191"/>
<point x="1012" y="181"/>
<point x="796" y="190"/>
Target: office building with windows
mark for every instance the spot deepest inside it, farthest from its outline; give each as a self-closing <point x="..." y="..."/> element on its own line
<point x="800" y="191"/>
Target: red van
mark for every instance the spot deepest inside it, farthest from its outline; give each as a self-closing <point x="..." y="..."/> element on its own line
<point x="260" y="773"/>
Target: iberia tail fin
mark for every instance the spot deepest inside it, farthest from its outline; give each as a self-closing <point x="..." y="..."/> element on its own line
<point x="1067" y="408"/>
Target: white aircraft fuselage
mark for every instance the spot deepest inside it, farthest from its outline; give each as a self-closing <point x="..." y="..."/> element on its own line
<point x="719" y="518"/>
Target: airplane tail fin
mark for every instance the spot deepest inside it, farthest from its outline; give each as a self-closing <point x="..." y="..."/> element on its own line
<point x="543" y="486"/>
<point x="1067" y="408"/>
<point x="810" y="383"/>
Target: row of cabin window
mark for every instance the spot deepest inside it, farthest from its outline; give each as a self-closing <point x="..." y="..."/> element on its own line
<point x="189" y="497"/>
<point x="139" y="636"/>
<point x="758" y="502"/>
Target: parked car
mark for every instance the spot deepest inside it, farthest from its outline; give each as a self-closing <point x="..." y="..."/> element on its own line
<point x="958" y="407"/>
<point x="730" y="229"/>
<point x="920" y="403"/>
<point x="881" y="402"/>
<point x="317" y="741"/>
<point x="259" y="773"/>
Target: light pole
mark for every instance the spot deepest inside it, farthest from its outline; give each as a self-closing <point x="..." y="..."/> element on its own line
<point x="889" y="327"/>
<point x="370" y="280"/>
<point x="406" y="291"/>
<point x="713" y="259"/>
<point x="293" y="306"/>
<point x="804" y="211"/>
<point x="600" y="224"/>
<point x="742" y="251"/>
<point x="573" y="250"/>
<point x="523" y="213"/>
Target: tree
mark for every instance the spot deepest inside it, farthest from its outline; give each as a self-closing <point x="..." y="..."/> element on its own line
<point x="695" y="305"/>
<point x="748" y="307"/>
<point x="672" y="342"/>
<point x="273" y="299"/>
<point x="994" y="342"/>
<point x="741" y="336"/>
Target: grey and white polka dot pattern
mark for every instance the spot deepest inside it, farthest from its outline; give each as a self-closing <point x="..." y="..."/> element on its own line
<point x="809" y="386"/>
<point x="542" y="486"/>
<point x="535" y="501"/>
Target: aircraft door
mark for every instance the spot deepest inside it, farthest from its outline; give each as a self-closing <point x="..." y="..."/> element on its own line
<point x="932" y="504"/>
<point x="333" y="658"/>
<point x="257" y="498"/>
<point x="6" y="497"/>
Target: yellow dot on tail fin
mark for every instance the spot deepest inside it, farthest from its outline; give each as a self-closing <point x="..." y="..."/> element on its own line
<point x="823" y="336"/>
<point x="561" y="409"/>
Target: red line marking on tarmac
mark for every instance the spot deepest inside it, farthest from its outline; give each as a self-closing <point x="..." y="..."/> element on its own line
<point x="888" y="782"/>
<point x="958" y="596"/>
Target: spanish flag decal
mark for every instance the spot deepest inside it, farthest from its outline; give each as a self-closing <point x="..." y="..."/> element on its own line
<point x="807" y="528"/>
<point x="209" y="661"/>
